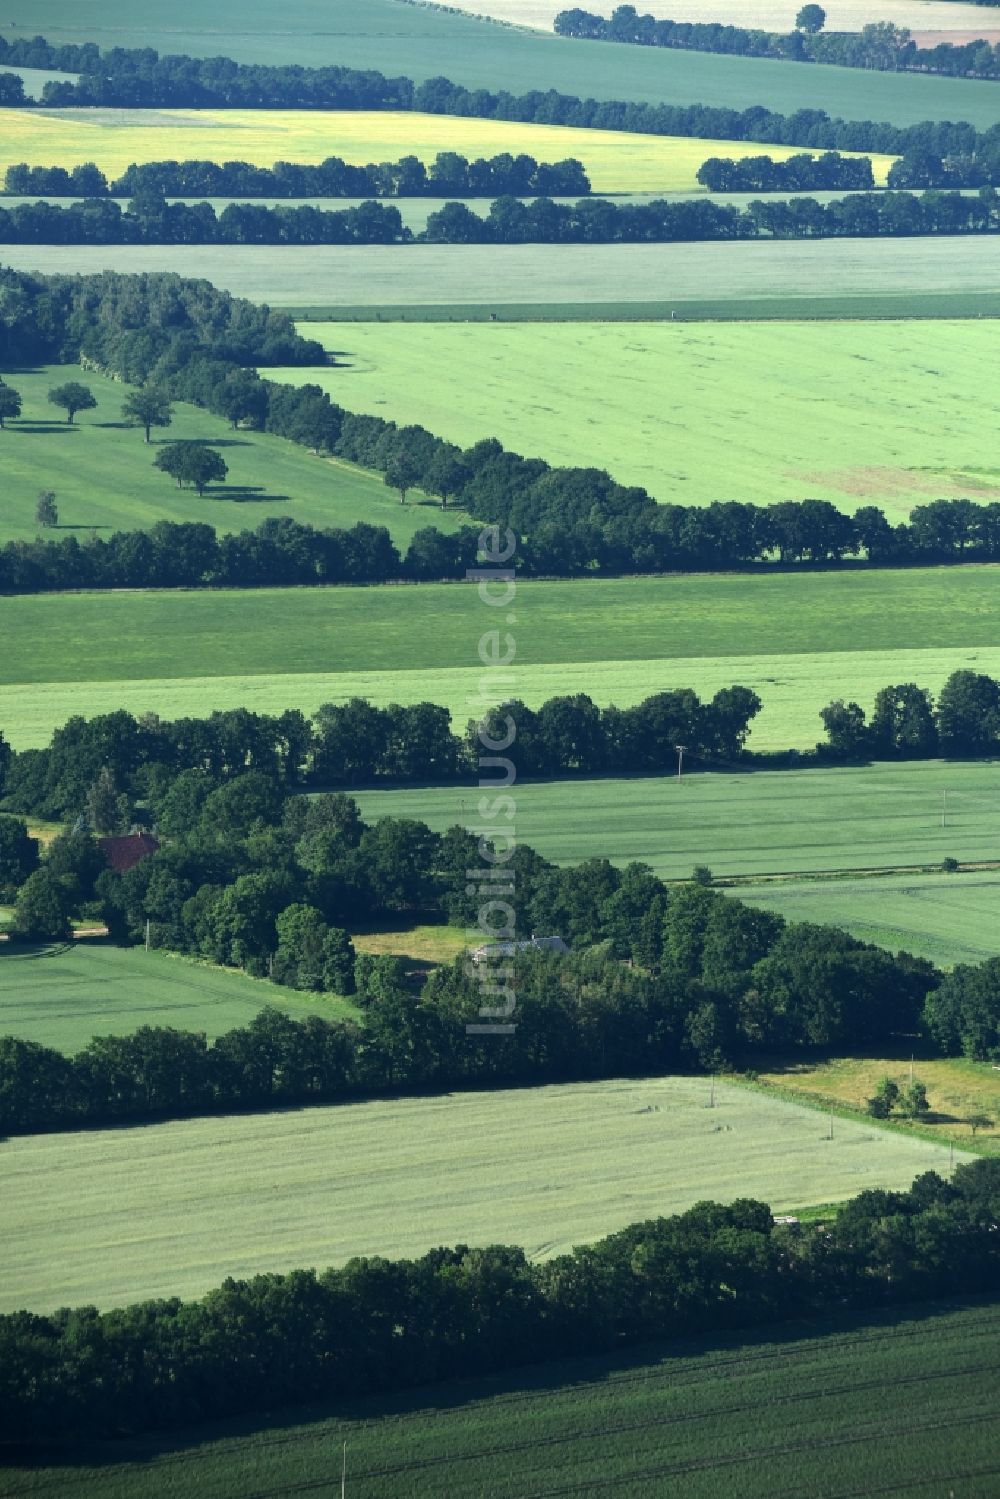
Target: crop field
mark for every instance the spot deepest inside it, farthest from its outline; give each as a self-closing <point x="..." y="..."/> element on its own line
<point x="422" y="42"/>
<point x="103" y="476"/>
<point x="694" y="414"/>
<point x="956" y="1089"/>
<point x="113" y="138"/>
<point x="896" y="1402"/>
<point x="64" y="994"/>
<point x="949" y="918"/>
<point x="927" y="276"/>
<point x="772" y="822"/>
<point x="178" y="653"/>
<point x="186" y="1203"/>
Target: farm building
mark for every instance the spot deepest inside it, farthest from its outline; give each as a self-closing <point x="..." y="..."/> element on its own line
<point x="509" y="949"/>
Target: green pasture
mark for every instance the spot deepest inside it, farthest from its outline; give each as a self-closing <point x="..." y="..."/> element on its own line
<point x="63" y="995"/>
<point x="799" y="640"/>
<point x="196" y="1200"/>
<point x="423" y="42"/>
<point x="788" y="278"/>
<point x="892" y="413"/>
<point x="104" y="480"/>
<point x="950" y="918"/>
<point x="896" y="1402"/>
<point x="772" y="822"/>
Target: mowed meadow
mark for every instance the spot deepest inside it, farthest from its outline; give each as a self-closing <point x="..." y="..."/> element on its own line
<point x="615" y="161"/>
<point x="700" y="413"/>
<point x="111" y="1216"/>
<point x="879" y="1403"/>
<point x="799" y="640"/>
<point x="104" y="477"/>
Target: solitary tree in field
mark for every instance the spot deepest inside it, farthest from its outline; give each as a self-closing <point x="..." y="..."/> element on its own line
<point x="73" y="397"/>
<point x="46" y="509"/>
<point x="811" y="18"/>
<point x="885" y="1099"/>
<point x="401" y="474"/>
<point x="978" y="1121"/>
<point x="10" y="403"/>
<point x="192" y="463"/>
<point x="147" y="409"/>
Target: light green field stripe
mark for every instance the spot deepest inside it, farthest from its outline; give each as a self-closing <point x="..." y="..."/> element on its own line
<point x="112" y="1216"/>
<point x="793" y="688"/>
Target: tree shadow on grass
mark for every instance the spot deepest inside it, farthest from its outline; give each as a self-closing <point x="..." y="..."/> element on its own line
<point x="200" y="442"/>
<point x="116" y="426"/>
<point x="244" y="494"/>
<point x="48" y="429"/>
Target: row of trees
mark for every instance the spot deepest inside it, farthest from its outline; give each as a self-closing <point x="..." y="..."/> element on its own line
<point x="450" y="175"/>
<point x="907" y="724"/>
<point x="880" y="45"/>
<point x="141" y="77"/>
<point x="597" y="221"/>
<point x="357" y="743"/>
<point x="377" y="1325"/>
<point x="802" y="173"/>
<point x="152" y="220"/>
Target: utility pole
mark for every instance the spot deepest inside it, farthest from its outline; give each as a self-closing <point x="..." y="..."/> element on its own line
<point x="343" y="1474"/>
<point x="680" y="748"/>
<point x="711" y="1096"/>
<point x="147" y="934"/>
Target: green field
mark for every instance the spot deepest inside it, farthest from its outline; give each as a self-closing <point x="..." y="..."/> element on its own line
<point x="112" y="1216"/>
<point x="614" y="161"/>
<point x="179" y="653"/>
<point x="950" y="918"/>
<point x="899" y="1402"/>
<point x="694" y="414"/>
<point x="791" y="278"/>
<point x="423" y="43"/>
<point x="765" y="822"/>
<point x="62" y="996"/>
<point x="104" y="480"/>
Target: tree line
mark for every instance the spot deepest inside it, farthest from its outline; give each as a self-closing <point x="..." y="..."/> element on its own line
<point x="359" y="743"/>
<point x="140" y="78"/>
<point x="907" y="724"/>
<point x="803" y="173"/>
<point x="449" y="175"/>
<point x="377" y="1325"/>
<point x="151" y="220"/>
<point x="597" y="221"/>
<point x="879" y="46"/>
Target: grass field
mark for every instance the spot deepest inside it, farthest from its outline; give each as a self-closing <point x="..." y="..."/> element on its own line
<point x="63" y="995"/>
<point x="898" y="1402"/>
<point x="768" y="822"/>
<point x="424" y="43"/>
<point x="112" y="1216"/>
<point x="949" y="918"/>
<point x="792" y="278"/>
<point x="104" y="480"/>
<point x="956" y="1089"/>
<point x="113" y="138"/>
<point x="693" y="414"/>
<point x="180" y="653"/>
